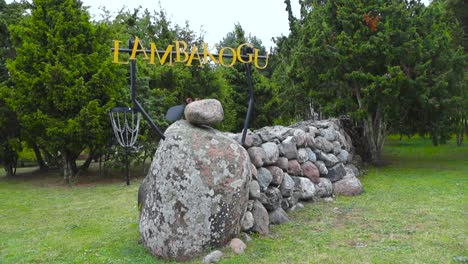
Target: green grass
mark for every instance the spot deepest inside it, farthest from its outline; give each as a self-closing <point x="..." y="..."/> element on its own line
<point x="414" y="210"/>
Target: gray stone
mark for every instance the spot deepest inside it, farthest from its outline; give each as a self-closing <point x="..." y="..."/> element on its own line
<point x="311" y="155"/>
<point x="254" y="190"/>
<point x="278" y="217"/>
<point x="284" y="204"/>
<point x="348" y="187"/>
<point x="329" y="159"/>
<point x="288" y="148"/>
<point x="321" y="167"/>
<point x="292" y="201"/>
<point x="310" y="140"/>
<point x="302" y="155"/>
<point x="271" y="153"/>
<point x="204" y="112"/>
<point x="257" y="140"/>
<point x="336" y="172"/>
<point x="324" y="145"/>
<point x="273" y="198"/>
<point x="261" y="219"/>
<point x="277" y="175"/>
<point x="310" y="171"/>
<point x="213" y="257"/>
<point x="287" y="186"/>
<point x="254" y="171"/>
<point x="247" y="221"/>
<point x="300" y="137"/>
<point x="268" y="134"/>
<point x="238" y="246"/>
<point x="329" y="134"/>
<point x="294" y="168"/>
<point x="282" y="163"/>
<point x="343" y="156"/>
<point x="314" y="131"/>
<point x="250" y="205"/>
<point x="257" y="156"/>
<point x="305" y="188"/>
<point x="324" y="188"/>
<point x="198" y="192"/>
<point x="264" y="178"/>
<point x="351" y="169"/>
<point x="336" y="147"/>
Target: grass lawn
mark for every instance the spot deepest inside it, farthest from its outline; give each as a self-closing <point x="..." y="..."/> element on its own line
<point x="414" y="210"/>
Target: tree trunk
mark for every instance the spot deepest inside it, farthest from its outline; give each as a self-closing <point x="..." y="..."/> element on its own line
<point x="374" y="135"/>
<point x="39" y="159"/>
<point x="69" y="167"/>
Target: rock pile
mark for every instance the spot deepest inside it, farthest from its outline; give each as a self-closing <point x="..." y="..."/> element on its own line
<point x="204" y="188"/>
<point x="308" y="161"/>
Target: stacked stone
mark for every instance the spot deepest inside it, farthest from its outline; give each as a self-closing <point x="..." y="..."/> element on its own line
<point x="306" y="162"/>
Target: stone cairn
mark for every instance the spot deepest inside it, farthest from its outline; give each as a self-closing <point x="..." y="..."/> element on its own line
<point x="204" y="188"/>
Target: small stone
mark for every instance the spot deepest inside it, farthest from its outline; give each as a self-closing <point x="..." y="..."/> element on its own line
<point x="324" y="188"/>
<point x="282" y="163"/>
<point x="299" y="206"/>
<point x="305" y="188"/>
<point x="300" y="137"/>
<point x="310" y="171"/>
<point x="278" y="217"/>
<point x="329" y="134"/>
<point x="264" y="178"/>
<point x="329" y="159"/>
<point x="336" y="172"/>
<point x="310" y="140"/>
<point x="237" y="246"/>
<point x="343" y="156"/>
<point x="288" y="148"/>
<point x="351" y="169"/>
<point x="348" y="187"/>
<point x="272" y="199"/>
<point x="204" y="112"/>
<point x="247" y="221"/>
<point x="336" y="147"/>
<point x="321" y="167"/>
<point x="328" y="199"/>
<point x="302" y="155"/>
<point x="254" y="190"/>
<point x="287" y="186"/>
<point x="324" y="145"/>
<point x="257" y="156"/>
<point x="294" y="168"/>
<point x="213" y="257"/>
<point x="253" y="169"/>
<point x="311" y="155"/>
<point x="261" y="218"/>
<point x="277" y="174"/>
<point x="271" y="153"/>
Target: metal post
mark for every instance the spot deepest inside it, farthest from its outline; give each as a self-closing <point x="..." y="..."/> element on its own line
<point x="127" y="175"/>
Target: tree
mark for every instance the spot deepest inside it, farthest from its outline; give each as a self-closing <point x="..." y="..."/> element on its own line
<point x="236" y="78"/>
<point x="64" y="80"/>
<point x="9" y="126"/>
<point x="370" y="59"/>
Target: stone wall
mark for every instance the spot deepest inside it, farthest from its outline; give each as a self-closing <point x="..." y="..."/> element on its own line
<point x="204" y="188"/>
<point x="308" y="161"/>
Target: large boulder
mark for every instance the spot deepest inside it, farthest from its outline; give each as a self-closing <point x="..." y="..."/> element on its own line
<point x="197" y="192"/>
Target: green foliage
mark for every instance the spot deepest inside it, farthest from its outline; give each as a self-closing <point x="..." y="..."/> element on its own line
<point x="382" y="62"/>
<point x="64" y="79"/>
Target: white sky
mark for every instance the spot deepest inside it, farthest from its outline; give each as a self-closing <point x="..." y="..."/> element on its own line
<point x="262" y="18"/>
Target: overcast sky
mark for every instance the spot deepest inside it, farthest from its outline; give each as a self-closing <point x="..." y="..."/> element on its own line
<point x="262" y="18"/>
